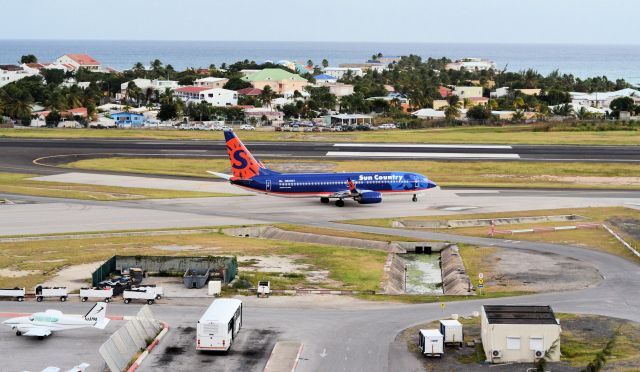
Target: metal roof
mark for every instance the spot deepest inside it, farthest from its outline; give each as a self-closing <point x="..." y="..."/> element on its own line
<point x="519" y="314"/>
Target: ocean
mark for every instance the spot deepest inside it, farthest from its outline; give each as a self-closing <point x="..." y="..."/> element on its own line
<point x="613" y="61"/>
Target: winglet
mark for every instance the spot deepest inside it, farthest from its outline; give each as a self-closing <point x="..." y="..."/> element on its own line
<point x="221" y="175"/>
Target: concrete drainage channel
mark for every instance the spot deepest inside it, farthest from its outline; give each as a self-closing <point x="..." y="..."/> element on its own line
<point x="443" y="224"/>
<point x="411" y="267"/>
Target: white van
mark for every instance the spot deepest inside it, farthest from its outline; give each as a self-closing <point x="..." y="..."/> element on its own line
<point x="219" y="325"/>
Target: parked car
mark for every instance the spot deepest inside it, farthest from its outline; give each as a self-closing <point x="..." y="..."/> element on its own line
<point x="247" y="127"/>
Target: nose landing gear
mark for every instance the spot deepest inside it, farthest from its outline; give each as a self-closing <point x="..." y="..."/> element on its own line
<point x="415" y="198"/>
<point x="324" y="200"/>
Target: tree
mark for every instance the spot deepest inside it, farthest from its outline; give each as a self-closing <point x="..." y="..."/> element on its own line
<point x="267" y="96"/>
<point x="479" y="112"/>
<point x="53" y="118"/>
<point x="17" y="103"/>
<point x="452" y="111"/>
<point x="309" y="63"/>
<point x="29" y="58"/>
<point x="622" y="104"/>
<point x="325" y="63"/>
<point x="236" y="83"/>
<point x="53" y="76"/>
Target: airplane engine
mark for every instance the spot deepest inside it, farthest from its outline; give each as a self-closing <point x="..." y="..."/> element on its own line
<point x="370" y="197"/>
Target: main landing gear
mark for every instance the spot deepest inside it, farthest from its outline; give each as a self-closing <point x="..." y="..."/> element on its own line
<point x="324" y="200"/>
<point x="415" y="198"/>
<point x="339" y="203"/>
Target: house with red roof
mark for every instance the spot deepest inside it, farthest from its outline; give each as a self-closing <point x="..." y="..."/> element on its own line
<point x="214" y="96"/>
<point x="78" y="61"/>
<point x="250" y="91"/>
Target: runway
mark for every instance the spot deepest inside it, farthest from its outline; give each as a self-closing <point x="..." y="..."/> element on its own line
<point x="19" y="154"/>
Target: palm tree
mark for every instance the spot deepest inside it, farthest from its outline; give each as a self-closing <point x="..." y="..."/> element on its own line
<point x="518" y="116"/>
<point x="325" y="63"/>
<point x="132" y="92"/>
<point x="452" y="111"/>
<point x="19" y="107"/>
<point x="267" y="96"/>
<point x="583" y="114"/>
<point x="74" y="97"/>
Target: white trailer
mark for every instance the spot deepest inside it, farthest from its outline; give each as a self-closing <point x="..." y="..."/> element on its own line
<point x="43" y="292"/>
<point x="451" y="331"/>
<point x="18" y="293"/>
<point x="139" y="294"/>
<point x="264" y="289"/>
<point x="430" y="342"/>
<point x="104" y="294"/>
<point x="219" y="325"/>
<point x="158" y="290"/>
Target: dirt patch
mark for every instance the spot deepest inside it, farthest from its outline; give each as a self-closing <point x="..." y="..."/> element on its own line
<point x="628" y="226"/>
<point x="177" y="248"/>
<point x="74" y="277"/>
<point x="523" y="270"/>
<point x="272" y="264"/>
<point x="14" y="273"/>
<point x="581" y="180"/>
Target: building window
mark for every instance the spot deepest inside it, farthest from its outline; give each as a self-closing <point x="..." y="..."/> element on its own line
<point x="513" y="343"/>
<point x="536" y="343"/>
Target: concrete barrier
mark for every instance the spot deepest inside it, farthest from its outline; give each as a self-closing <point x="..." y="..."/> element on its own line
<point x="455" y="280"/>
<point x="443" y="224"/>
<point x="619" y="238"/>
<point x="123" y="344"/>
<point x="284" y="357"/>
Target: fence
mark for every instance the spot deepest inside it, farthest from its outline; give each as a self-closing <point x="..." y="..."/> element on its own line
<point x="127" y="341"/>
<point x="224" y="267"/>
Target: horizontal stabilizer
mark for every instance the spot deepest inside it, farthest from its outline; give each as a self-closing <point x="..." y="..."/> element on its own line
<point x="221" y="175"/>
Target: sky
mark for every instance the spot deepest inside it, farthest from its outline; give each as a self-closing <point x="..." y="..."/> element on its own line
<point x="459" y="21"/>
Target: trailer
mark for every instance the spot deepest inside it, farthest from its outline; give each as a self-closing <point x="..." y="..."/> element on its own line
<point x="451" y="330"/>
<point x="147" y="294"/>
<point x="61" y="292"/>
<point x="264" y="289"/>
<point x="18" y="293"/>
<point x="430" y="342"/>
<point x="104" y="294"/>
<point x="158" y="290"/>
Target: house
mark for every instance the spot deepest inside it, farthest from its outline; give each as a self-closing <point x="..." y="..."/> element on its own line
<point x="338" y="89"/>
<point x="260" y="113"/>
<point x="144" y="84"/>
<point x="340" y="72"/>
<point x="366" y="67"/>
<point x="504" y="91"/>
<point x="467" y="92"/>
<point x="214" y="96"/>
<point x="474" y="101"/>
<point x="252" y="92"/>
<point x="128" y="119"/>
<point x="603" y="99"/>
<point x="499" y="92"/>
<point x="279" y="80"/>
<point x="386" y="60"/>
<point x="429" y="113"/>
<point x="445" y="92"/>
<point x="439" y="104"/>
<point x="519" y="334"/>
<point x="211" y="82"/>
<point x="11" y="73"/>
<point x="402" y="101"/>
<point x="348" y="119"/>
<point x="325" y="78"/>
<point x="475" y="64"/>
<point x="77" y="61"/>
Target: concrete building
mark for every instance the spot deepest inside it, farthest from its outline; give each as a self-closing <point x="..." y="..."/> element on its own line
<point x="78" y="61"/>
<point x="259" y="113"/>
<point x="338" y="89"/>
<point x="340" y="72"/>
<point x="325" y="78"/>
<point x="475" y="64"/>
<point x="279" y="80"/>
<point x="504" y="91"/>
<point x="519" y="334"/>
<point x="215" y="96"/>
<point x="144" y="84"/>
<point x="603" y="100"/>
<point x="11" y="73"/>
<point x="366" y="67"/>
<point x="128" y="119"/>
<point x="467" y="92"/>
<point x="348" y="119"/>
<point x="211" y="82"/>
<point x="429" y="113"/>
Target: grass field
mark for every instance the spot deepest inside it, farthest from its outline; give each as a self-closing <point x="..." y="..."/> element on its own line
<point x="444" y="173"/>
<point x="36" y="261"/>
<point x="512" y="134"/>
<point x="596" y="238"/>
<point x="15" y="183"/>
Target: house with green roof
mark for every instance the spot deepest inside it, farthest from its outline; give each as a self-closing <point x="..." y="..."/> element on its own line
<point x="279" y="80"/>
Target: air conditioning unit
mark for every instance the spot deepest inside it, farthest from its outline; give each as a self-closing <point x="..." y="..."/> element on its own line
<point x="495" y="354"/>
<point x="538" y="354"/>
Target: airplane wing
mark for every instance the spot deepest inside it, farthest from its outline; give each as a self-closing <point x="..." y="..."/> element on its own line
<point x="221" y="175"/>
<point x="37" y="332"/>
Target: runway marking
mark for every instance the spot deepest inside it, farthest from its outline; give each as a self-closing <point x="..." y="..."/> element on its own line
<point x="424" y="155"/>
<point x="426" y="145"/>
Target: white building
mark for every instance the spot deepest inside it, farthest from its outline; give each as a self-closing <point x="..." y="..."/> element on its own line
<point x="429" y="113"/>
<point x="215" y="96"/>
<point x="475" y="64"/>
<point x="338" y="89"/>
<point x="11" y="73"/>
<point x="467" y="92"/>
<point x="519" y="334"/>
<point x="144" y="84"/>
<point x="340" y="72"/>
<point x="78" y="61"/>
<point x="211" y="82"/>
<point x="602" y="99"/>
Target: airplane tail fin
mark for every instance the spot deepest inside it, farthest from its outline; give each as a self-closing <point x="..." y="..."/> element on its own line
<point x="97" y="314"/>
<point x="243" y="164"/>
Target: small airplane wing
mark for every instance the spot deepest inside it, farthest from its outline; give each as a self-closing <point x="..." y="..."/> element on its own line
<point x="221" y="175"/>
<point x="38" y="332"/>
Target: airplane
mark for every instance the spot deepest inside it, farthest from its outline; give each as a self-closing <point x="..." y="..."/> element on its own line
<point x="43" y="324"/>
<point x="364" y="188"/>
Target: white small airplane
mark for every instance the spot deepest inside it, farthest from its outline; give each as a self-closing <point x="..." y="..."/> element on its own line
<point x="43" y="324"/>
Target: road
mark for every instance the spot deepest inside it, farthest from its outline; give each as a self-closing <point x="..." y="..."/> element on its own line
<point x="19" y="154"/>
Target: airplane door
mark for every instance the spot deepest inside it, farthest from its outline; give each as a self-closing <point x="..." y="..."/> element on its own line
<point x="268" y="185"/>
<point x="416" y="183"/>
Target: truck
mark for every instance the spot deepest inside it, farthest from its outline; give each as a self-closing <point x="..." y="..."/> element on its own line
<point x="451" y="330"/>
<point x="147" y="294"/>
<point x="104" y="294"/>
<point x="430" y="342"/>
<point x="42" y="292"/>
<point x="219" y="325"/>
<point x="18" y="293"/>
